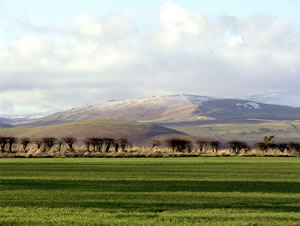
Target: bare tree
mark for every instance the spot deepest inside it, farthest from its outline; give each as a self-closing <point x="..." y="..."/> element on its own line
<point x="282" y="146"/>
<point x="179" y="145"/>
<point x="10" y="142"/>
<point x="202" y="144"/>
<point x="87" y="142"/>
<point x="59" y="143"/>
<point x="267" y="144"/>
<point x="215" y="145"/>
<point x="172" y="143"/>
<point x="38" y="142"/>
<point x="294" y="146"/>
<point x="3" y="142"/>
<point x="48" y="142"/>
<point x="155" y="144"/>
<point x="70" y="142"/>
<point x="123" y="143"/>
<point x="116" y="145"/>
<point x="25" y="141"/>
<point x="269" y="139"/>
<point x="261" y="146"/>
<point x="236" y="146"/>
<point x="108" y="143"/>
<point x="96" y="143"/>
<point x="273" y="146"/>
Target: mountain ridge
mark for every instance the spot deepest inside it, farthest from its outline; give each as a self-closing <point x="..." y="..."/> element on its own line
<point x="173" y="108"/>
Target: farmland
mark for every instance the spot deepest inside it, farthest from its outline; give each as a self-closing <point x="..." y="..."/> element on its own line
<point x="139" y="191"/>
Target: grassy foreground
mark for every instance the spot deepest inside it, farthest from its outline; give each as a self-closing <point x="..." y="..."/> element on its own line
<point x="172" y="191"/>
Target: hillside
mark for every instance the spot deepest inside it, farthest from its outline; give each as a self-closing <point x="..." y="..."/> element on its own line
<point x="174" y="108"/>
<point x="137" y="132"/>
<point x="161" y="108"/>
<point x="234" y="109"/>
<point x="5" y="124"/>
<point x="251" y="132"/>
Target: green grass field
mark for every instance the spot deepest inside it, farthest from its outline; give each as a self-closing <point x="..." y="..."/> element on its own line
<point x="171" y="191"/>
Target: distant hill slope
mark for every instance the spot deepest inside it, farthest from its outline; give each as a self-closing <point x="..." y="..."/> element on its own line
<point x="4" y="123"/>
<point x="161" y="108"/>
<point x="134" y="131"/>
<point x="234" y="109"/>
<point x="174" y="108"/>
<point x="251" y="132"/>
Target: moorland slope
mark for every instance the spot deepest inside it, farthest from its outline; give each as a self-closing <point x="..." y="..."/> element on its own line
<point x="174" y="108"/>
<point x="138" y="132"/>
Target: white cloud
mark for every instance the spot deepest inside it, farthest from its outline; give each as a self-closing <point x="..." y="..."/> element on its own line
<point x="99" y="58"/>
<point x="103" y="28"/>
<point x="25" y="101"/>
<point x="181" y="27"/>
<point x="235" y="41"/>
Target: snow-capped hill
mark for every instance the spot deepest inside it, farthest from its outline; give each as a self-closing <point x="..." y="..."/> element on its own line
<point x="175" y="108"/>
<point x="162" y="101"/>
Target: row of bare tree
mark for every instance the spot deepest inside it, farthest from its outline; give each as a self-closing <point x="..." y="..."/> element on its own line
<point x="235" y="146"/>
<point x="93" y="144"/>
<point x="176" y="144"/>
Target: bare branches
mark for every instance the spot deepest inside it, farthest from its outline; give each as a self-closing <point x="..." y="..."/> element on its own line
<point x="215" y="145"/>
<point x="236" y="146"/>
<point x="179" y="145"/>
<point x="24" y="142"/>
<point x="70" y="142"/>
<point x="48" y="142"/>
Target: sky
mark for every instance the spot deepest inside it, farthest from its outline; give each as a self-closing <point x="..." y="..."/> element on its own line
<point x="55" y="55"/>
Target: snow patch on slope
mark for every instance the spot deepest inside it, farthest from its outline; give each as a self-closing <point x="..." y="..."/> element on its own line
<point x="262" y="97"/>
<point x="174" y="100"/>
<point x="105" y="105"/>
<point x="162" y="102"/>
<point x="197" y="99"/>
<point x="249" y="105"/>
<point x="171" y="100"/>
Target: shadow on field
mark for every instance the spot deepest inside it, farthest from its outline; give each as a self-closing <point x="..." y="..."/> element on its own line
<point x="153" y="207"/>
<point x="151" y="186"/>
<point x="120" y="194"/>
